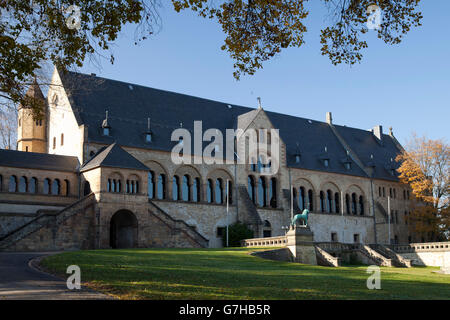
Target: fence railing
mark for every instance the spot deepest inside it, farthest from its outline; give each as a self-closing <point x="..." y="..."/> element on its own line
<point x="420" y="247"/>
<point x="265" y="242"/>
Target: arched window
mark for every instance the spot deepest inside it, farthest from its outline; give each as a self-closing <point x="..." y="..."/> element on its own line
<point x="118" y="186"/>
<point x="322" y="201"/>
<point x="12" y="184"/>
<point x="262" y="192"/>
<point x="337" y="205"/>
<point x="1" y="182"/>
<point x="185" y="191"/>
<point x="354" y="204"/>
<point x="301" y="199"/>
<point x="56" y="187"/>
<point x="47" y="186"/>
<point x="23" y="184"/>
<point x="311" y="200"/>
<point x="209" y="191"/>
<point x="33" y="186"/>
<point x="175" y="188"/>
<point x="361" y="205"/>
<point x="132" y="186"/>
<point x="161" y="186"/>
<point x="87" y="187"/>
<point x="151" y="184"/>
<point x="219" y="191"/>
<point x="273" y="192"/>
<point x="196" y="190"/>
<point x="66" y="187"/>
<point x="329" y="201"/>
<point x="109" y="188"/>
<point x="113" y="185"/>
<point x="347" y="203"/>
<point x="251" y="188"/>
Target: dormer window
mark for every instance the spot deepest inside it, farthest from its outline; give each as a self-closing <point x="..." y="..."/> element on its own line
<point x="105" y="126"/>
<point x="297" y="154"/>
<point x="148" y="133"/>
<point x="348" y="165"/>
<point x="393" y="172"/>
<point x="326" y="163"/>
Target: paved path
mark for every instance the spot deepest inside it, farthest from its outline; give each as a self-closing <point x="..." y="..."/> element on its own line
<point x="19" y="281"/>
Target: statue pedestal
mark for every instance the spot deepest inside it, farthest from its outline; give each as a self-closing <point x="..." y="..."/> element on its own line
<point x="301" y="244"/>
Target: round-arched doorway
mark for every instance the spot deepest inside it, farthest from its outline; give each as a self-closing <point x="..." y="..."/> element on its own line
<point x="123" y="230"/>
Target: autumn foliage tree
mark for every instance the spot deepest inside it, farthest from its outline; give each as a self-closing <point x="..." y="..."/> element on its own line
<point x="425" y="167"/>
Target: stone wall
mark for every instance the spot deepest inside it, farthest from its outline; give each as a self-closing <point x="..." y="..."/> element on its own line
<point x="344" y="226"/>
<point x="11" y="221"/>
<point x="69" y="229"/>
<point x="61" y="120"/>
<point x="436" y="254"/>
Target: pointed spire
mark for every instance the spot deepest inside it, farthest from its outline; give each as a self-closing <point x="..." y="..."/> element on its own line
<point x="35" y="91"/>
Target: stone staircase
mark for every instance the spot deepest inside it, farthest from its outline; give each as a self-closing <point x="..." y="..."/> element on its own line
<point x="382" y="211"/>
<point x="397" y="260"/>
<point x="247" y="210"/>
<point x="47" y="219"/>
<point x="326" y="259"/>
<point x="375" y="256"/>
<point x="178" y="225"/>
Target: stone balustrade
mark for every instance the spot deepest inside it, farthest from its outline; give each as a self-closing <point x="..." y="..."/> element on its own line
<point x="265" y="242"/>
<point x="418" y="247"/>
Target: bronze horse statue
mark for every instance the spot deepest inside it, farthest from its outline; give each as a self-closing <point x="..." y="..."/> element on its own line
<point x="298" y="217"/>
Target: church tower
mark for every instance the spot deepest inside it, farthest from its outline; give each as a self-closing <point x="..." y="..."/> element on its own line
<point x="31" y="133"/>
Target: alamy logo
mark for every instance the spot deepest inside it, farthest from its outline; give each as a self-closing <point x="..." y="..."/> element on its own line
<point x="255" y="147"/>
<point x="74" y="20"/>
<point x="374" y="281"/>
<point x="74" y="280"/>
<point x="374" y="20"/>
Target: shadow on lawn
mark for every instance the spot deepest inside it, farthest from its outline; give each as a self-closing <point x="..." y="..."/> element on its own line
<point x="233" y="274"/>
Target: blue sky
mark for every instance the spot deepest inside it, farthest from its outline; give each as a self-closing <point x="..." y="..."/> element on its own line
<point x="406" y="86"/>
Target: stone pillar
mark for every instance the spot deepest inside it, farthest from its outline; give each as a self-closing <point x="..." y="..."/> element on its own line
<point x="300" y="241"/>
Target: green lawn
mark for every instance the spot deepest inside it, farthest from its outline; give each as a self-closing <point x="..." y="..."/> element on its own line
<point x="235" y="274"/>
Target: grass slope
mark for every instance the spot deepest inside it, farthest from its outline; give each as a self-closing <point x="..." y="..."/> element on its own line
<point x="235" y="274"/>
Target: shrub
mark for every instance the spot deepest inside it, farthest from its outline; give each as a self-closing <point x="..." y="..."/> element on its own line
<point x="237" y="232"/>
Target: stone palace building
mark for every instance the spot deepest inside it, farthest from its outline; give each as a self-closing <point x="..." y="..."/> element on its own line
<point x="96" y="172"/>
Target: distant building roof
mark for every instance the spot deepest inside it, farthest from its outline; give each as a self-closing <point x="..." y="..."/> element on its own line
<point x="129" y="106"/>
<point x="115" y="157"/>
<point x="33" y="160"/>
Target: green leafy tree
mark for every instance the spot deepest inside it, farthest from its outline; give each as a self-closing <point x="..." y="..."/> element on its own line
<point x="66" y="33"/>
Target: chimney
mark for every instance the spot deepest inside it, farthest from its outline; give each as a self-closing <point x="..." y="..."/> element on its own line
<point x="329" y="118"/>
<point x="378" y="132"/>
<point x="391" y="131"/>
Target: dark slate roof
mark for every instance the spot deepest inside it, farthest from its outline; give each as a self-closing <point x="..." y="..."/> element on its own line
<point x="33" y="160"/>
<point x="130" y="105"/>
<point x="366" y="145"/>
<point x="115" y="157"/>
